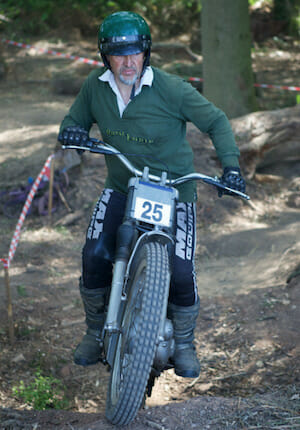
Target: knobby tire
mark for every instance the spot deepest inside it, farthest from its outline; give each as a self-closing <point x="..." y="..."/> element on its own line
<point x="137" y="342"/>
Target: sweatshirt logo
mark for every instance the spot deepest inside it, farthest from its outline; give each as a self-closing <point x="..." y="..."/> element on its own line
<point x="128" y="137"/>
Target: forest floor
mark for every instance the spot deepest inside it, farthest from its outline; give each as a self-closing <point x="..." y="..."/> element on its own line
<point x="247" y="335"/>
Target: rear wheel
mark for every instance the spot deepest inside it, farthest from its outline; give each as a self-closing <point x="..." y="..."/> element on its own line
<point x="148" y="284"/>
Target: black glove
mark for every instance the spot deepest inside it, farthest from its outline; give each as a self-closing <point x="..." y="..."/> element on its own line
<point x="232" y="178"/>
<point x="73" y="135"/>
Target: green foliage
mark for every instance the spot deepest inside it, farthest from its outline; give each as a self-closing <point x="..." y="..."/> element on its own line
<point x="171" y="17"/>
<point x="253" y="2"/>
<point x="295" y="21"/>
<point x="288" y="12"/>
<point x="35" y="17"/>
<point x="21" y="289"/>
<point x="45" y="392"/>
<point x="61" y="229"/>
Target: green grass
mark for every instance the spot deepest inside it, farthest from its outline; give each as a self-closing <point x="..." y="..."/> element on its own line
<point x="45" y="392"/>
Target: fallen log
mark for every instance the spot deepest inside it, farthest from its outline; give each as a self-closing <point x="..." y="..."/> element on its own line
<point x="267" y="137"/>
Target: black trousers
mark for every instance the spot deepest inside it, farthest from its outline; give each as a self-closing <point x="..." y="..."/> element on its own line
<point x="99" y="248"/>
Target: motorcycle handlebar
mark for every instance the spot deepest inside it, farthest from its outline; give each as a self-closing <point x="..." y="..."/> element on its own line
<point x="99" y="147"/>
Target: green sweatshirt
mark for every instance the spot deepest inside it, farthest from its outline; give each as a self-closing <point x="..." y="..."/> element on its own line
<point x="152" y="127"/>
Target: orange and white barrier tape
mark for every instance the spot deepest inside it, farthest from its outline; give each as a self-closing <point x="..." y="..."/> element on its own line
<point x="277" y="87"/>
<point x="52" y="52"/>
<point x="16" y="237"/>
<point x="98" y="63"/>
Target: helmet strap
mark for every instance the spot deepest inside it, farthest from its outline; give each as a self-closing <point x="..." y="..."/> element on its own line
<point x="105" y="61"/>
<point x="132" y="92"/>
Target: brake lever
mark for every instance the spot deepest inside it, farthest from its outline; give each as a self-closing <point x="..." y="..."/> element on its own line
<point x="223" y="188"/>
<point x="92" y="145"/>
<point x="230" y="191"/>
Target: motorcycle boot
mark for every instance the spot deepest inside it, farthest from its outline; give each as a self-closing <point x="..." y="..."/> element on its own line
<point x="89" y="350"/>
<point x="185" y="358"/>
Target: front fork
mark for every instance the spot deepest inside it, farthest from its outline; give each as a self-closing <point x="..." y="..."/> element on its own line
<point x="125" y="239"/>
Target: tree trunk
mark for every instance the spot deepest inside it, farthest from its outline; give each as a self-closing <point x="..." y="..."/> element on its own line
<point x="2" y="62"/>
<point x="226" y="49"/>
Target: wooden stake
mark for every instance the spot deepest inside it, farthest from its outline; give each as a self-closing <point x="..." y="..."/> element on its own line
<point x="9" y="307"/>
<point x="62" y="198"/>
<point x="50" y="200"/>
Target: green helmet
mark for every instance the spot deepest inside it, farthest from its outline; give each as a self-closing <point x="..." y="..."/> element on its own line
<point x="124" y="33"/>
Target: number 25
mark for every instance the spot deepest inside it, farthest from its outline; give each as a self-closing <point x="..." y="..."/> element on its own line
<point x="151" y="212"/>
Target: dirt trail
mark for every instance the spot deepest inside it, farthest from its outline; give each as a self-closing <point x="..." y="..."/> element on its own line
<point x="248" y="332"/>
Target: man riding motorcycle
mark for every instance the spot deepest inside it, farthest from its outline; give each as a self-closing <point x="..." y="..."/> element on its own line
<point x="143" y="111"/>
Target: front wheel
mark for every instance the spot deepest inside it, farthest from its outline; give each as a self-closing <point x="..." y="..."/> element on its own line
<point x="147" y="286"/>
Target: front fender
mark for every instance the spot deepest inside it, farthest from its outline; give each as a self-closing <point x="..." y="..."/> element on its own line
<point x="147" y="237"/>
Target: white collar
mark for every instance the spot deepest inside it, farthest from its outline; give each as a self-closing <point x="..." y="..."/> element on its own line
<point x="108" y="76"/>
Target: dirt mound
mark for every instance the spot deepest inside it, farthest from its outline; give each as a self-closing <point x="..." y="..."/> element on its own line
<point x="214" y="413"/>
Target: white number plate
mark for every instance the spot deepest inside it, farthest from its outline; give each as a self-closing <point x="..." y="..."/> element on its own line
<point x="152" y="212"/>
